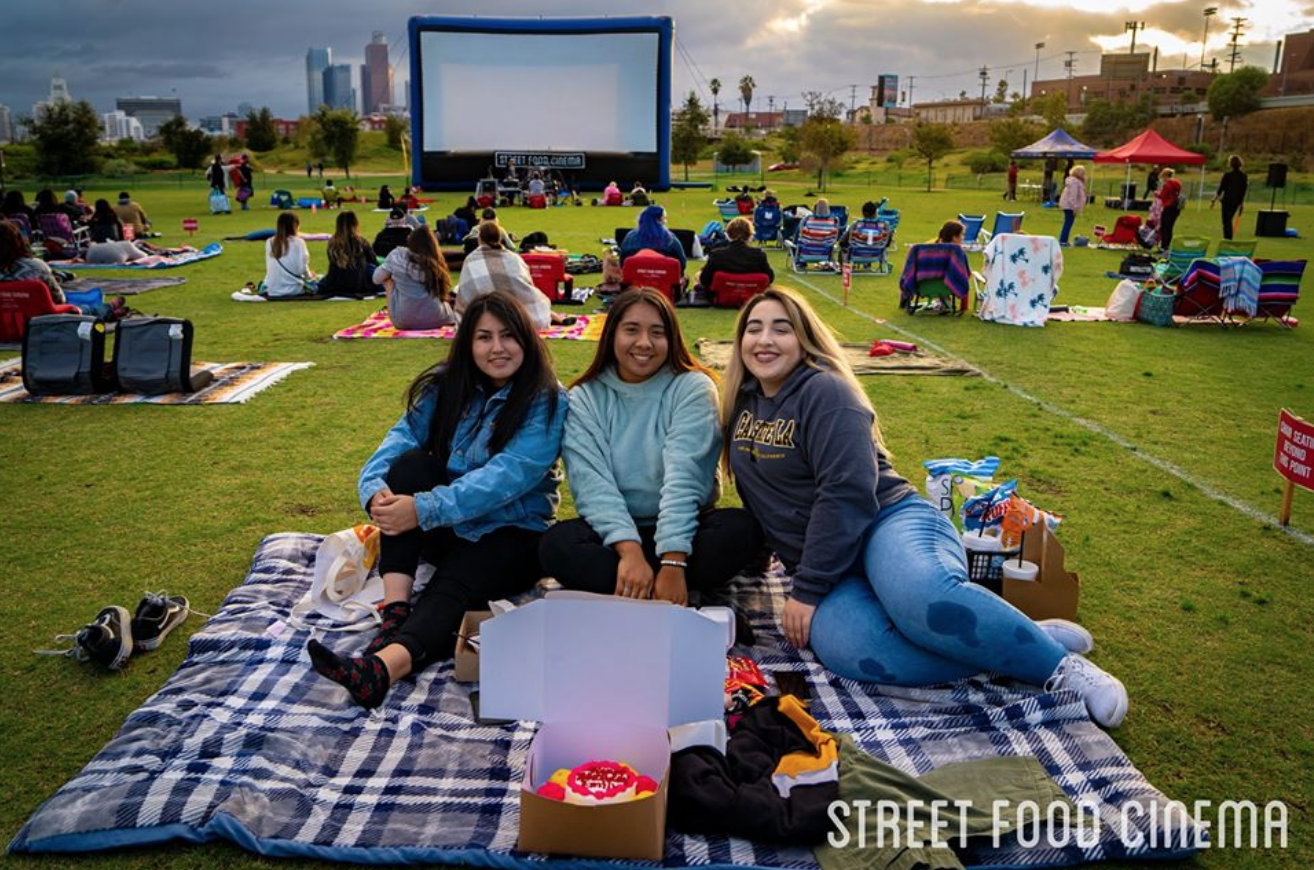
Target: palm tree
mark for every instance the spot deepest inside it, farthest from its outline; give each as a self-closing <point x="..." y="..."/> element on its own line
<point x="715" y="87"/>
<point x="746" y="85"/>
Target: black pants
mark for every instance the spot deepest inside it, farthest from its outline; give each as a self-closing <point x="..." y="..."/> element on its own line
<point x="468" y="574"/>
<point x="1167" y="220"/>
<point x="727" y="539"/>
<point x="1229" y="214"/>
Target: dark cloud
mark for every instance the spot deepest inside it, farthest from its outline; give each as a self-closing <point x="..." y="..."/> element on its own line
<point x="217" y="55"/>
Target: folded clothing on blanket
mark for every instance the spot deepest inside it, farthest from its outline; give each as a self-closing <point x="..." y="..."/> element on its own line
<point x="245" y="742"/>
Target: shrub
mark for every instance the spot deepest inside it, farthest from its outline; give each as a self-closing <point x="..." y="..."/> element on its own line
<point x="981" y="162"/>
<point x="119" y="166"/>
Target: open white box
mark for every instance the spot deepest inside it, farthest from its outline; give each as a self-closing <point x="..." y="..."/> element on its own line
<point x="606" y="676"/>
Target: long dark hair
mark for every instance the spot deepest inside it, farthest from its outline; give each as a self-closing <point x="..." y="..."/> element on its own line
<point x="346" y="247"/>
<point x="13" y="247"/>
<point x="457" y="378"/>
<point x="427" y="259"/>
<point x="677" y="355"/>
<point x="286" y="228"/>
<point x="104" y="214"/>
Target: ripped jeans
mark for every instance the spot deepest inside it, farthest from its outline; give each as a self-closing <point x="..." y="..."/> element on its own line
<point x="908" y="616"/>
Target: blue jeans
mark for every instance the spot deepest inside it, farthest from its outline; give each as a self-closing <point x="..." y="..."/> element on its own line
<point x="1068" y="217"/>
<point x="910" y="617"/>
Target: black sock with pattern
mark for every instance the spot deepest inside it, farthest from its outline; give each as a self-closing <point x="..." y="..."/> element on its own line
<point x="394" y="616"/>
<point x="365" y="679"/>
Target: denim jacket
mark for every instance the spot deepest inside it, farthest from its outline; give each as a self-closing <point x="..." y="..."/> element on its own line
<point x="517" y="487"/>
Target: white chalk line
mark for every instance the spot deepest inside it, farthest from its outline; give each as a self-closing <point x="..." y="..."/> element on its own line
<point x="1090" y="425"/>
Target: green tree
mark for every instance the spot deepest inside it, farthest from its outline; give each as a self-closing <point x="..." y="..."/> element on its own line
<point x="687" y="139"/>
<point x="1237" y="93"/>
<point x="1107" y="122"/>
<point x="931" y="142"/>
<point x="746" y="86"/>
<point x="1053" y="108"/>
<point x="822" y="105"/>
<point x="260" y="132"/>
<point x="1009" y="134"/>
<point x="396" y="130"/>
<point x="734" y="151"/>
<point x="825" y="139"/>
<point x="788" y="149"/>
<point x="336" y="135"/>
<point x="66" y="137"/>
<point x="188" y="146"/>
<point x="1001" y="92"/>
<point x="715" y="87"/>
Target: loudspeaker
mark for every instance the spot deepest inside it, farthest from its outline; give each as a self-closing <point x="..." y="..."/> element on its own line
<point x="1277" y="175"/>
<point x="1271" y="224"/>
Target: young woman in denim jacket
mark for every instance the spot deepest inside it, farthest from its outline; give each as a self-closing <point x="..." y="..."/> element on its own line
<point x="467" y="478"/>
<point x="879" y="588"/>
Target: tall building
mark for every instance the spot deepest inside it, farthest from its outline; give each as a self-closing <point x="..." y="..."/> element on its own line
<point x="317" y="60"/>
<point x="376" y="75"/>
<point x="6" y="125"/>
<point x="338" y="92"/>
<point x="120" y="125"/>
<point x="59" y="91"/>
<point x="151" y="111"/>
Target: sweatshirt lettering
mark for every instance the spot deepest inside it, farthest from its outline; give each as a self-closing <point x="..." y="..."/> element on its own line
<point x="772" y="433"/>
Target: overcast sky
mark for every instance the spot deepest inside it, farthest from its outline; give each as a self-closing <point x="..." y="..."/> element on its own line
<point x="215" y="55"/>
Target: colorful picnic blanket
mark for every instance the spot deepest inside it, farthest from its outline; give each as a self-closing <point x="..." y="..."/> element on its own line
<point x="934" y="262"/>
<point x="246" y="743"/>
<point x="587" y="327"/>
<point x="159" y="261"/>
<point x="716" y="355"/>
<point x="234" y="383"/>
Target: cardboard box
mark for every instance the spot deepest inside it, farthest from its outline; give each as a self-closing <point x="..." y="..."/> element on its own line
<point x="467" y="656"/>
<point x="606" y="676"/>
<point x="1055" y="591"/>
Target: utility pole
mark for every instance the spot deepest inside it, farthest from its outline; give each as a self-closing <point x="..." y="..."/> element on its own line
<point x="1209" y="12"/>
<point x="985" y="79"/>
<point x="1069" y="65"/>
<point x="911" y="80"/>
<point x="1235" y="51"/>
<point x="853" y="100"/>
<point x="771" y="111"/>
<point x="1133" y="26"/>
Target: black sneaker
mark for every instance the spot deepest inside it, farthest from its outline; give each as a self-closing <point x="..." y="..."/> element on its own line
<point x="157" y="615"/>
<point x="106" y="641"/>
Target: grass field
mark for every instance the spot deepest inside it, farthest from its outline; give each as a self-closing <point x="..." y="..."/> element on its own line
<point x="1203" y="608"/>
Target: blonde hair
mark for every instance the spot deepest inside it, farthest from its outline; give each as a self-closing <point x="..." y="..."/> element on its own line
<point x="821" y="351"/>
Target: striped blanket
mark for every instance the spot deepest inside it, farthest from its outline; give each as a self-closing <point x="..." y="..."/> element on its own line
<point x="587" y="327"/>
<point x="246" y="743"/>
<point x="234" y="383"/>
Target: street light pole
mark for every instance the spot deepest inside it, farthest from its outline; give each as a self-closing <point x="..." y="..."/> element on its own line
<point x="1209" y="12"/>
<point x="1036" y="76"/>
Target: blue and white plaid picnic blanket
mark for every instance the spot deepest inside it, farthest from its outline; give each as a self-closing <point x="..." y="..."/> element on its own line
<point x="246" y="743"/>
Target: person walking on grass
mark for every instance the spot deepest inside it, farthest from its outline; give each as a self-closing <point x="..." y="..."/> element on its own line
<point x="1072" y="200"/>
<point x="466" y="480"/>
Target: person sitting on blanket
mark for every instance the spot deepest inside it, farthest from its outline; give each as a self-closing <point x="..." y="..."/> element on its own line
<point x="130" y="212"/>
<point x="351" y="261"/>
<point x="880" y="587"/>
<point x="468" y="213"/>
<point x="466" y="479"/>
<point x="332" y="198"/>
<point x="18" y="264"/>
<point x="385" y="199"/>
<point x="287" y="259"/>
<point x="492" y="267"/>
<point x="105" y="225"/>
<point x="489" y="215"/>
<point x="394" y="234"/>
<point x="418" y="285"/>
<point x="641" y="449"/>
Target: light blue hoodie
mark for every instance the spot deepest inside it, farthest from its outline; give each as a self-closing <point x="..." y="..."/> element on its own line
<point x="643" y="454"/>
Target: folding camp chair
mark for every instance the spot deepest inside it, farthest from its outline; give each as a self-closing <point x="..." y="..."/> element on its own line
<point x="935" y="272"/>
<point x="767" y="220"/>
<point x="548" y="272"/>
<point x="814" y="245"/>
<point x="1198" y="293"/>
<point x="651" y="269"/>
<point x="20" y="220"/>
<point x="1279" y="289"/>
<point x="730" y="290"/>
<point x="1005" y="222"/>
<point x="1184" y="251"/>
<point x="728" y="208"/>
<point x="20" y="301"/>
<point x="971" y="227"/>
<point x="869" y="240"/>
<point x="1237" y="248"/>
<point x="56" y="228"/>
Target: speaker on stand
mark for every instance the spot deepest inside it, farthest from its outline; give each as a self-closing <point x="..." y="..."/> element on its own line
<point x="1273" y="223"/>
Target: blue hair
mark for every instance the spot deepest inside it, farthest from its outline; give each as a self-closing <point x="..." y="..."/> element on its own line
<point x="650" y="231"/>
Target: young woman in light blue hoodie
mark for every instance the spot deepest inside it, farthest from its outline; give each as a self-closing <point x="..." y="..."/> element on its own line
<point x="641" y="447"/>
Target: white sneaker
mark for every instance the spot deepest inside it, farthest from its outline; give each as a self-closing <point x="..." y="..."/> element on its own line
<point x="1104" y="694"/>
<point x="1069" y="635"/>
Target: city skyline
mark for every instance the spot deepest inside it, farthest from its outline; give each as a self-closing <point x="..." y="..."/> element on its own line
<point x="793" y="46"/>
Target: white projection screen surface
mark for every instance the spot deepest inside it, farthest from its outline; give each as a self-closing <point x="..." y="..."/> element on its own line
<point x="593" y="92"/>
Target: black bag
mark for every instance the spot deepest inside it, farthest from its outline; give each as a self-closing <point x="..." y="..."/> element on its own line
<point x="64" y="355"/>
<point x="153" y="356"/>
<point x="1137" y="266"/>
<point x="585" y="264"/>
<point x="534" y="240"/>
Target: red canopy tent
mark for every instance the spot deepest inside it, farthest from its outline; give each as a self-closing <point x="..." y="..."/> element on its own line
<point x="1151" y="148"/>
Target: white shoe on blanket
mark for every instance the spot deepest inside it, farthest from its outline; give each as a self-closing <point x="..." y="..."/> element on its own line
<point x="245" y="295"/>
<point x="1104" y="694"/>
<point x="1069" y="635"/>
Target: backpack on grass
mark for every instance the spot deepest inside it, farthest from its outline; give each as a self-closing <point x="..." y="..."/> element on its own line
<point x="153" y="356"/>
